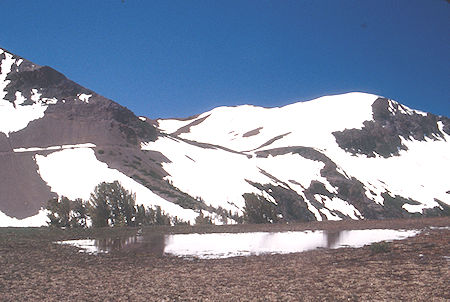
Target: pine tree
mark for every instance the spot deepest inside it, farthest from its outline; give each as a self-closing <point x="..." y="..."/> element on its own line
<point x="59" y="212"/>
<point x="141" y="218"/>
<point x="112" y="205"/>
<point x="52" y="212"/>
<point x="99" y="206"/>
<point x="80" y="214"/>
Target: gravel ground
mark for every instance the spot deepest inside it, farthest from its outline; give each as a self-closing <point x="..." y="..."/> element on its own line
<point x="33" y="268"/>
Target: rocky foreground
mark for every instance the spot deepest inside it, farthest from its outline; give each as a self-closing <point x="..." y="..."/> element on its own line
<point x="33" y="268"/>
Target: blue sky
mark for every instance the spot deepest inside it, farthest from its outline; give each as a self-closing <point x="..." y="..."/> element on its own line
<point x="179" y="58"/>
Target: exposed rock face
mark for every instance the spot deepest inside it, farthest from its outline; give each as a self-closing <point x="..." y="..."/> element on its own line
<point x="392" y="123"/>
<point x="22" y="189"/>
<point x="252" y="132"/>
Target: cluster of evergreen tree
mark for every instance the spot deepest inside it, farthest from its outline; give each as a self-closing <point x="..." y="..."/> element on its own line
<point x="66" y="213"/>
<point x="156" y="216"/>
<point x="202" y="219"/>
<point x="225" y="216"/>
<point x="109" y="205"/>
<point x="112" y="205"/>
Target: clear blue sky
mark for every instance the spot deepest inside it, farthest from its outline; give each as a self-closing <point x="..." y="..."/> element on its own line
<point x="179" y="58"/>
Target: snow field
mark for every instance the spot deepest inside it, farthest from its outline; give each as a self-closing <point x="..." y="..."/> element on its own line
<point x="310" y="123"/>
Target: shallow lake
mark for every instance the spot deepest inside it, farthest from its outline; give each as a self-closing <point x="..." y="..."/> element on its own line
<point x="224" y="245"/>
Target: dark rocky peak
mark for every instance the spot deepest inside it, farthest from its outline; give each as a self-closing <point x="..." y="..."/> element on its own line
<point x="70" y="103"/>
<point x="391" y="122"/>
<point x="409" y="123"/>
<point x="46" y="81"/>
<point x="135" y="129"/>
<point x="445" y="124"/>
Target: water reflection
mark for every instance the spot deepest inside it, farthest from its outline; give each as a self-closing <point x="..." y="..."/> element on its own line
<point x="117" y="244"/>
<point x="224" y="245"/>
<point x="153" y="244"/>
<point x="332" y="238"/>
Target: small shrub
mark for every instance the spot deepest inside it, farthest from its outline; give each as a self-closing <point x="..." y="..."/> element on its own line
<point x="380" y="247"/>
<point x="201" y="219"/>
<point x="224" y="215"/>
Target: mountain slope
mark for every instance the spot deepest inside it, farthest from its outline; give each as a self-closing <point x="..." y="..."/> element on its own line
<point x="350" y="156"/>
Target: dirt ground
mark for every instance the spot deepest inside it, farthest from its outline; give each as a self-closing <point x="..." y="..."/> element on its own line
<point x="34" y="268"/>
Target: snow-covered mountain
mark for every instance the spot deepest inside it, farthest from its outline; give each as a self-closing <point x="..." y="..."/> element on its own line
<point x="350" y="156"/>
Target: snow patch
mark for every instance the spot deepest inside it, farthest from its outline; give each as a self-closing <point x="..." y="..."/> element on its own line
<point x="172" y="125"/>
<point x="440" y="125"/>
<point x="337" y="204"/>
<point x="20" y="99"/>
<point x="329" y="215"/>
<point x="40" y="219"/>
<point x="311" y="208"/>
<point x="5" y="69"/>
<point x="35" y="95"/>
<point x="413" y="208"/>
<point x="84" y="97"/>
<point x="374" y="192"/>
<point x="51" y="101"/>
<point x="15" y="119"/>
<point x="34" y="149"/>
<point x="88" y="246"/>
